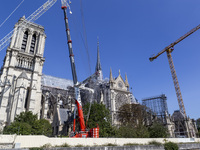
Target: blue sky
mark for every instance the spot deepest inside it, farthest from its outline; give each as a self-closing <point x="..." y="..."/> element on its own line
<point x="129" y="31"/>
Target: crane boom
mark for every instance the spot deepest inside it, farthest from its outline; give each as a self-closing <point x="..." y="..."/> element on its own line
<point x="34" y="16"/>
<point x="73" y="68"/>
<point x="176" y="42"/>
<point x="94" y="132"/>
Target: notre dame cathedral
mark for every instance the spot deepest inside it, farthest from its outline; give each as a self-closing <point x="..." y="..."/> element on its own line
<point x="25" y="88"/>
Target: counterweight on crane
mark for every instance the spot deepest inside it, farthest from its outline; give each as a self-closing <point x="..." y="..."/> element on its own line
<point x="83" y="133"/>
<point x="34" y="16"/>
<point x="169" y="50"/>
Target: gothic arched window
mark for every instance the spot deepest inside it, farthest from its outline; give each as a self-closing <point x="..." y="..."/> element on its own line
<point x="24" y="42"/>
<point x="33" y="44"/>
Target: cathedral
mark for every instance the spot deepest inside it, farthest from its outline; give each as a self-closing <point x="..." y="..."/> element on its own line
<point x="25" y="88"/>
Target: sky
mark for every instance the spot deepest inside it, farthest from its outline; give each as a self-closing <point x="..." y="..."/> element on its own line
<point x="129" y="31"/>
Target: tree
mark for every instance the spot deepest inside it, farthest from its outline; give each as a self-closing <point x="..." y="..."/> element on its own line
<point x="134" y="114"/>
<point x="132" y="118"/>
<point x="26" y="123"/>
<point x="18" y="128"/>
<point x="198" y="126"/>
<point x="157" y="130"/>
<point x="100" y="115"/>
<point x="198" y="132"/>
<point x="129" y="131"/>
<point x="198" y="123"/>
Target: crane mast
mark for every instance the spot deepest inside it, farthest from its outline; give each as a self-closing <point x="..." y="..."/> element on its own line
<point x="169" y="50"/>
<point x="175" y="80"/>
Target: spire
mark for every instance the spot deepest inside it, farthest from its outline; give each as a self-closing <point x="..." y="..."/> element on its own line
<point x="126" y="81"/>
<point x="98" y="64"/>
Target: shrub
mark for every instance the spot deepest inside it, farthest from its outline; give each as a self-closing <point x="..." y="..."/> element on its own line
<point x="65" y="145"/>
<point x="35" y="148"/>
<point x="110" y="144"/>
<point x="79" y="145"/>
<point x="26" y="123"/>
<point x="170" y="146"/>
<point x="48" y="145"/>
<point x="155" y="143"/>
<point x="157" y="130"/>
<point x="131" y="144"/>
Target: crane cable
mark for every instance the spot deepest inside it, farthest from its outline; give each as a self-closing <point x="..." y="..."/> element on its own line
<point x="85" y="35"/>
<point x="88" y="56"/>
<point x="12" y="13"/>
<point x="85" y="43"/>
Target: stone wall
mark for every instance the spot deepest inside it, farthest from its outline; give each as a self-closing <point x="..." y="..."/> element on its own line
<point x="7" y="141"/>
<point x="38" y="141"/>
<point x="194" y="146"/>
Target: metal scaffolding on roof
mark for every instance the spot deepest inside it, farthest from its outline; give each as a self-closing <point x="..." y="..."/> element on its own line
<point x="158" y="105"/>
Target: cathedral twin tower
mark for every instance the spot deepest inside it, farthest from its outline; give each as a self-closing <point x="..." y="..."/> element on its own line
<point x="21" y="72"/>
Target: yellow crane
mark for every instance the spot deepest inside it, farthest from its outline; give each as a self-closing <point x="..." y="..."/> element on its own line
<point x="169" y="50"/>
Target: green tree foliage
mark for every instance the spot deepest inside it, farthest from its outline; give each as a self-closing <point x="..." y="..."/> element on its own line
<point x="134" y="114"/>
<point x="100" y="115"/>
<point x="198" y="126"/>
<point x="126" y="132"/>
<point x="18" y="128"/>
<point x="170" y="146"/>
<point x="198" y="123"/>
<point x="26" y="123"/>
<point x="157" y="130"/>
<point x="132" y="118"/>
<point x="129" y="131"/>
<point x="27" y="117"/>
<point x="199" y="132"/>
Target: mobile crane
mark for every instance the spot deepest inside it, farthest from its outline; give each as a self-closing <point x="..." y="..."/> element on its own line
<point x="83" y="133"/>
<point x="169" y="49"/>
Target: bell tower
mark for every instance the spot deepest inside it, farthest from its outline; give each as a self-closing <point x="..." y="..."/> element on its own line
<point x="20" y="75"/>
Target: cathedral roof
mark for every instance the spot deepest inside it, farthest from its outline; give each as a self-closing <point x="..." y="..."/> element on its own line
<point x="56" y="82"/>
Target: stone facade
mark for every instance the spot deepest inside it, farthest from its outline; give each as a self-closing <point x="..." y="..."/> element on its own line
<point x="119" y="95"/>
<point x="113" y="92"/>
<point x="25" y="88"/>
<point x="21" y="72"/>
<point x="184" y="126"/>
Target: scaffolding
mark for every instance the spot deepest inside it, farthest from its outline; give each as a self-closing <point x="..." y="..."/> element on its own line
<point x="158" y="105"/>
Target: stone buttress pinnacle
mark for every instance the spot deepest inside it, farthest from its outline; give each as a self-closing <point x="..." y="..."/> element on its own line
<point x="126" y="80"/>
<point x="111" y="77"/>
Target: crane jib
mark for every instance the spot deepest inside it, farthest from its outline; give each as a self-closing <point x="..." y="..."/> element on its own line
<point x="176" y="42"/>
